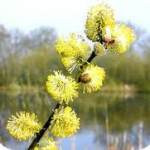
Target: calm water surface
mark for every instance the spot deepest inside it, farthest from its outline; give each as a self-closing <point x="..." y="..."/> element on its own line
<point x="119" y="121"/>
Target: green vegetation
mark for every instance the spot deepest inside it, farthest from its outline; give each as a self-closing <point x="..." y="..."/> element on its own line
<point x="27" y="59"/>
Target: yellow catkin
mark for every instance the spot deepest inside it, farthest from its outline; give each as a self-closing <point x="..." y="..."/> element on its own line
<point x="121" y="35"/>
<point x="65" y="123"/>
<point x="98" y="18"/>
<point x="62" y="88"/>
<point x="73" y="50"/>
<point x="94" y="75"/>
<point x="23" y="126"/>
<point x="99" y="49"/>
<point x="46" y="143"/>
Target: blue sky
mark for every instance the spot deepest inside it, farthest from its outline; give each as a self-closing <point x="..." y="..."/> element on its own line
<point x="68" y="15"/>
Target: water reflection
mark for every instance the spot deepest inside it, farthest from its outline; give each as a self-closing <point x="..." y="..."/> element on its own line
<point x="114" y="121"/>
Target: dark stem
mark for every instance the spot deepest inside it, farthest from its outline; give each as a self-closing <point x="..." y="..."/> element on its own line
<point x="43" y="130"/>
<point x="93" y="55"/>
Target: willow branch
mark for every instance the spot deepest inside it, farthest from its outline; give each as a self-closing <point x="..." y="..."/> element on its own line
<point x="48" y="122"/>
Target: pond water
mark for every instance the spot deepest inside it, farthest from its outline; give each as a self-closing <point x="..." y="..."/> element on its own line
<point x="108" y="121"/>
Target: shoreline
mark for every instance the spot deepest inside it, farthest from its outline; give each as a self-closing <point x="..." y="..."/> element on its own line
<point x="121" y="89"/>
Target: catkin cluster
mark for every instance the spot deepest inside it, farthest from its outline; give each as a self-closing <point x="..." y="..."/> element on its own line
<point x="76" y="56"/>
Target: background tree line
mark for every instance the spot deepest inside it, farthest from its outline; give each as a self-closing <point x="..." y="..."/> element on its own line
<point x="27" y="59"/>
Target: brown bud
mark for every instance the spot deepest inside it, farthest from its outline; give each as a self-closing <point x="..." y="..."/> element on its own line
<point x="109" y="41"/>
<point x="85" y="78"/>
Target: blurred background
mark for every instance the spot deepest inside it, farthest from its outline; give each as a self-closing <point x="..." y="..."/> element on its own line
<point x="115" y="118"/>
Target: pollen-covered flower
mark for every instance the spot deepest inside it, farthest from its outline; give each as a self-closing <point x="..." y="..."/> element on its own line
<point x="98" y="17"/>
<point x="74" y="51"/>
<point x="23" y="126"/>
<point x="61" y="88"/>
<point x="46" y="143"/>
<point x="65" y="123"/>
<point x="99" y="49"/>
<point x="91" y="78"/>
<point x="118" y="38"/>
